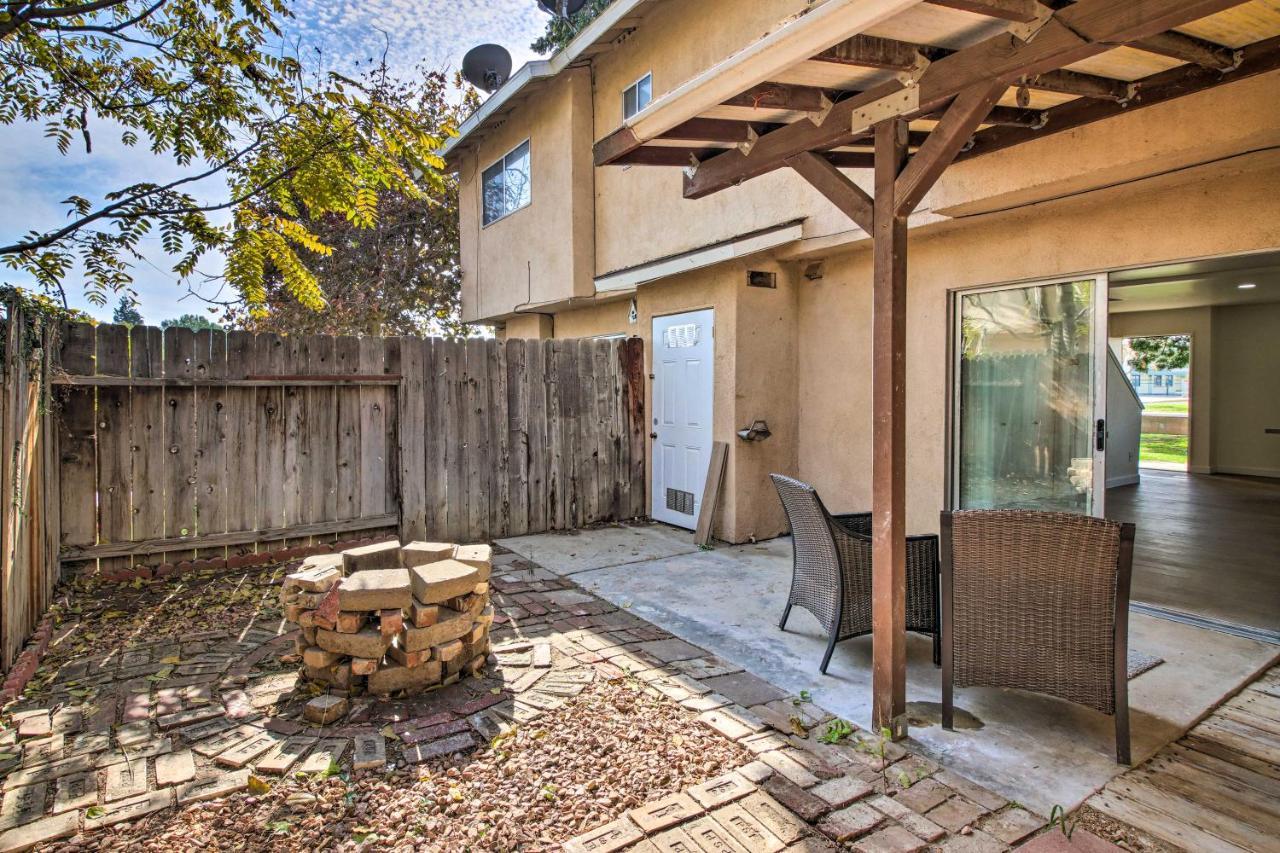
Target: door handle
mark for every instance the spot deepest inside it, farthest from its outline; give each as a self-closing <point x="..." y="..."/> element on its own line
<point x="1100" y="434"/>
<point x="653" y="435"/>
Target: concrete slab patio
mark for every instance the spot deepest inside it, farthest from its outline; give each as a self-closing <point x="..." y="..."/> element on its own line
<point x="1035" y="748"/>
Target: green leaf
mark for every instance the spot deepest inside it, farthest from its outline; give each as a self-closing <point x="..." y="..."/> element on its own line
<point x="94" y="811"/>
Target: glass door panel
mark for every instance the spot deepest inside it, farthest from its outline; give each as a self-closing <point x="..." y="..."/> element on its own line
<point x="1028" y="397"/>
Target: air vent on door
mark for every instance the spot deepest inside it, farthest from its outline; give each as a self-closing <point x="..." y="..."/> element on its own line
<point x="678" y="501"/>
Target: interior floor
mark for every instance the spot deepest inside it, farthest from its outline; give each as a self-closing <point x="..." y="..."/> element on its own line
<point x="1206" y="544"/>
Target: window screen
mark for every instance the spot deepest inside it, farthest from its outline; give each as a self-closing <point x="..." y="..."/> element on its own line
<point x="637" y="96"/>
<point x="506" y="184"/>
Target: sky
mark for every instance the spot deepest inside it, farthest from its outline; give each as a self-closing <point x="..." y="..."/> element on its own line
<point x="37" y="177"/>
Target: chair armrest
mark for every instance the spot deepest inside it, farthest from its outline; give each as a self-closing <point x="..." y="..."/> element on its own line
<point x="853" y="523"/>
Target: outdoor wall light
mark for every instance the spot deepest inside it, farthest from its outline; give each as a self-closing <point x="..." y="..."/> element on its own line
<point x="758" y="431"/>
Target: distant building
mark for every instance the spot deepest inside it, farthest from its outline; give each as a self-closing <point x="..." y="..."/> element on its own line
<point x="1160" y="383"/>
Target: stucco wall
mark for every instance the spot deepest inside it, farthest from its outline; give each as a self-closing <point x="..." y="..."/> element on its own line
<point x="1227" y="208"/>
<point x="545" y="251"/>
<point x="1246" y="389"/>
<point x="1198" y="323"/>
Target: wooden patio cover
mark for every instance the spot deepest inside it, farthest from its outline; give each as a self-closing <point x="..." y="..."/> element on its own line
<point x="924" y="83"/>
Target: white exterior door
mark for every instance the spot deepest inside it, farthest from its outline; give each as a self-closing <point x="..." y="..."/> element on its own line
<point x="683" y="356"/>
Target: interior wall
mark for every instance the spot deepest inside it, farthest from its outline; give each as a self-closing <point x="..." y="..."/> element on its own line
<point x="1124" y="426"/>
<point x="1246" y="389"/>
<point x="1198" y="323"/>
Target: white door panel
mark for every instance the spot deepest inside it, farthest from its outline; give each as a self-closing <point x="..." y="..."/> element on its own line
<point x="684" y="349"/>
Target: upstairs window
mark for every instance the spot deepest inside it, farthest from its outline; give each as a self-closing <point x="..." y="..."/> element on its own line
<point x="506" y="184"/>
<point x="637" y="96"/>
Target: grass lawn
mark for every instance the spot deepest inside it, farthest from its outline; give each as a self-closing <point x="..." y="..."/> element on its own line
<point x="1171" y="407"/>
<point x="1157" y="447"/>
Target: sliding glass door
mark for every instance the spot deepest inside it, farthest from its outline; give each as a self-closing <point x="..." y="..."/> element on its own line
<point x="1030" y="371"/>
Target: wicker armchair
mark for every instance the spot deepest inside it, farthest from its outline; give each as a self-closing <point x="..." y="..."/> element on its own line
<point x="831" y="575"/>
<point x="1038" y="601"/>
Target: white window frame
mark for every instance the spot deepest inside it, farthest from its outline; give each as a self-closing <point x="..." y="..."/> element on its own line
<point x="503" y="160"/>
<point x="636" y="85"/>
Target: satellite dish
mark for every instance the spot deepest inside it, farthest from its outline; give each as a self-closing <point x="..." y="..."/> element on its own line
<point x="563" y="8"/>
<point x="487" y="66"/>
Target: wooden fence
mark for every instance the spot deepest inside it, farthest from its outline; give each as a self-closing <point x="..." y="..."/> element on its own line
<point x="29" y="513"/>
<point x="177" y="444"/>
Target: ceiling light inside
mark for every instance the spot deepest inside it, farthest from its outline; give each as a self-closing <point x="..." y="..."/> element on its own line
<point x="1249" y="286"/>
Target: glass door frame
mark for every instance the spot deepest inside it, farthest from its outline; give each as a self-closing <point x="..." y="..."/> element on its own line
<point x="1100" y="329"/>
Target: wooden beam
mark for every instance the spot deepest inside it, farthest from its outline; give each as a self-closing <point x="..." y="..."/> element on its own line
<point x="1082" y="85"/>
<point x="1018" y="11"/>
<point x="835" y="187"/>
<point x="1258" y="58"/>
<point x="1009" y="117"/>
<point x="1085" y="29"/>
<point x="888" y="439"/>
<point x="850" y="159"/>
<point x="614" y="146"/>
<point x="959" y="122"/>
<point x="711" y="130"/>
<point x="662" y="155"/>
<point x="873" y="52"/>
<point x="1175" y="45"/>
<point x="779" y="96"/>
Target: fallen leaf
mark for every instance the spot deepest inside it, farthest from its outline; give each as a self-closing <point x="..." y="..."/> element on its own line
<point x="258" y="786"/>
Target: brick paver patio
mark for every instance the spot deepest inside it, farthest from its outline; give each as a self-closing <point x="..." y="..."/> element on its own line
<point x="109" y="742"/>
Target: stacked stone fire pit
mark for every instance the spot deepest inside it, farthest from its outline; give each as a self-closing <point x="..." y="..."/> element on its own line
<point x="389" y="619"/>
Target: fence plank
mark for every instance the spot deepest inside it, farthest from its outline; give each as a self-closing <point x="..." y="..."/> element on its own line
<point x="179" y="430"/>
<point x="211" y="437"/>
<point x="241" y="424"/>
<point x="632" y="353"/>
<point x="114" y="439"/>
<point x="413" y="472"/>
<point x="347" y="497"/>
<point x="454" y="418"/>
<point x="497" y="417"/>
<point x="146" y="358"/>
<point x="269" y="433"/>
<point x="516" y="426"/>
<point x="373" y="437"/>
<point x="433" y="454"/>
<point x="537" y="382"/>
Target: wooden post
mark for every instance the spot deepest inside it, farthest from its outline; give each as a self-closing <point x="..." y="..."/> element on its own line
<point x="888" y="473"/>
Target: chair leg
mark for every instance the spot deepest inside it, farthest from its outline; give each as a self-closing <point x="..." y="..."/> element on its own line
<point x="1122" y="739"/>
<point x="782" y="626"/>
<point x="937" y="648"/>
<point x="826" y="659"/>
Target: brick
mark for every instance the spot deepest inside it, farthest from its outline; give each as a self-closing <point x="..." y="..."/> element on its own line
<point x="755" y="771"/>
<point x="25" y="804"/>
<point x="423" y="615"/>
<point x="370" y="751"/>
<point x="438" y="582"/>
<point x="971" y="791"/>
<point x="924" y="795"/>
<point x="390" y="622"/>
<point x="448" y="651"/>
<point x="319" y="658"/>
<point x="955" y="814"/>
<point x="796" y="798"/>
<point x="378" y="589"/>
<point x="725" y="724"/>
<point x="450" y="626"/>
<point x="126" y="779"/>
<point x="421" y="752"/>
<point x="43" y="750"/>
<point x="783" y="762"/>
<point x="393" y="676"/>
<point x="174" y="768"/>
<point x="720" y="790"/>
<point x="840" y="792"/>
<point x="851" y="822"/>
<point x="745" y="688"/>
<point x="919" y="825"/>
<point x="1012" y="825"/>
<point x="326" y="709"/>
<point x="377" y="557"/>
<point x="675" y="841"/>
<point x="891" y="839"/>
<point x="249" y="749"/>
<point x="285" y="755"/>
<point x="159" y="746"/>
<point x="78" y="791"/>
<point x="746" y="829"/>
<point x="711" y="836"/>
<point x="975" y="842"/>
<point x="421" y="553"/>
<point x="364" y="666"/>
<point x="216" y="786"/>
<point x="542" y="655"/>
<point x="668" y="811"/>
<point x="328" y="751"/>
<point x="350" y="621"/>
<point x="605" y="839"/>
<point x="479" y="557"/>
<point x="409" y="659"/>
<point x="191" y="715"/>
<point x="368" y="643"/>
<point x="774" y="816"/>
<point x="317" y="577"/>
<point x="39" y="832"/>
<point x="36" y="725"/>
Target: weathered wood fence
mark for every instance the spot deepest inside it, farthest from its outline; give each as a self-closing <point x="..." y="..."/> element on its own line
<point x="177" y="444"/>
<point x="29" y="511"/>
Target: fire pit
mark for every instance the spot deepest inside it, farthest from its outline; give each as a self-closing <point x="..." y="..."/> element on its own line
<point x="386" y="619"/>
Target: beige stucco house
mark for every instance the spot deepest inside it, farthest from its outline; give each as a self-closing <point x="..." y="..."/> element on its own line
<point x="1141" y="196"/>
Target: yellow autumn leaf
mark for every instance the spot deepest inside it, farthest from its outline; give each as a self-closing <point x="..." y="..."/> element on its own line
<point x="388" y="732"/>
<point x="258" y="786"/>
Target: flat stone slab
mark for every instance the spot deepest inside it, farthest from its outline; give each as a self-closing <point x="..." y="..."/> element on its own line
<point x="435" y="583"/>
<point x="39" y="832"/>
<point x="285" y="755"/>
<point x="383" y="555"/>
<point x="421" y="752"/>
<point x="370" y="752"/>
<point x="668" y="811"/>
<point x="23" y="805"/>
<point x="249" y="749"/>
<point x="567" y="554"/>
<point x="130" y="809"/>
<point x="377" y="589"/>
<point x="78" y="791"/>
<point x="216" y="786"/>
<point x="746" y="829"/>
<point x="745" y="689"/>
<point x="721" y="790"/>
<point x="126" y="779"/>
<point x="606" y="839"/>
<point x="421" y="553"/>
<point x="174" y="768"/>
<point x="326" y="752"/>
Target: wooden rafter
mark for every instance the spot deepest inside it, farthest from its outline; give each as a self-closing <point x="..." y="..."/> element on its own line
<point x="1081" y="85"/>
<point x="1258" y="58"/>
<point x="1175" y="45"/>
<point x="780" y="96"/>
<point x="1018" y="11"/>
<point x="873" y="52"/>
<point x="823" y="175"/>
<point x="1084" y="29"/>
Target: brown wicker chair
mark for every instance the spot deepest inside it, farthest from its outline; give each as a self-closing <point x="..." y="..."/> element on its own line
<point x="1038" y="601"/>
<point x="831" y="574"/>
